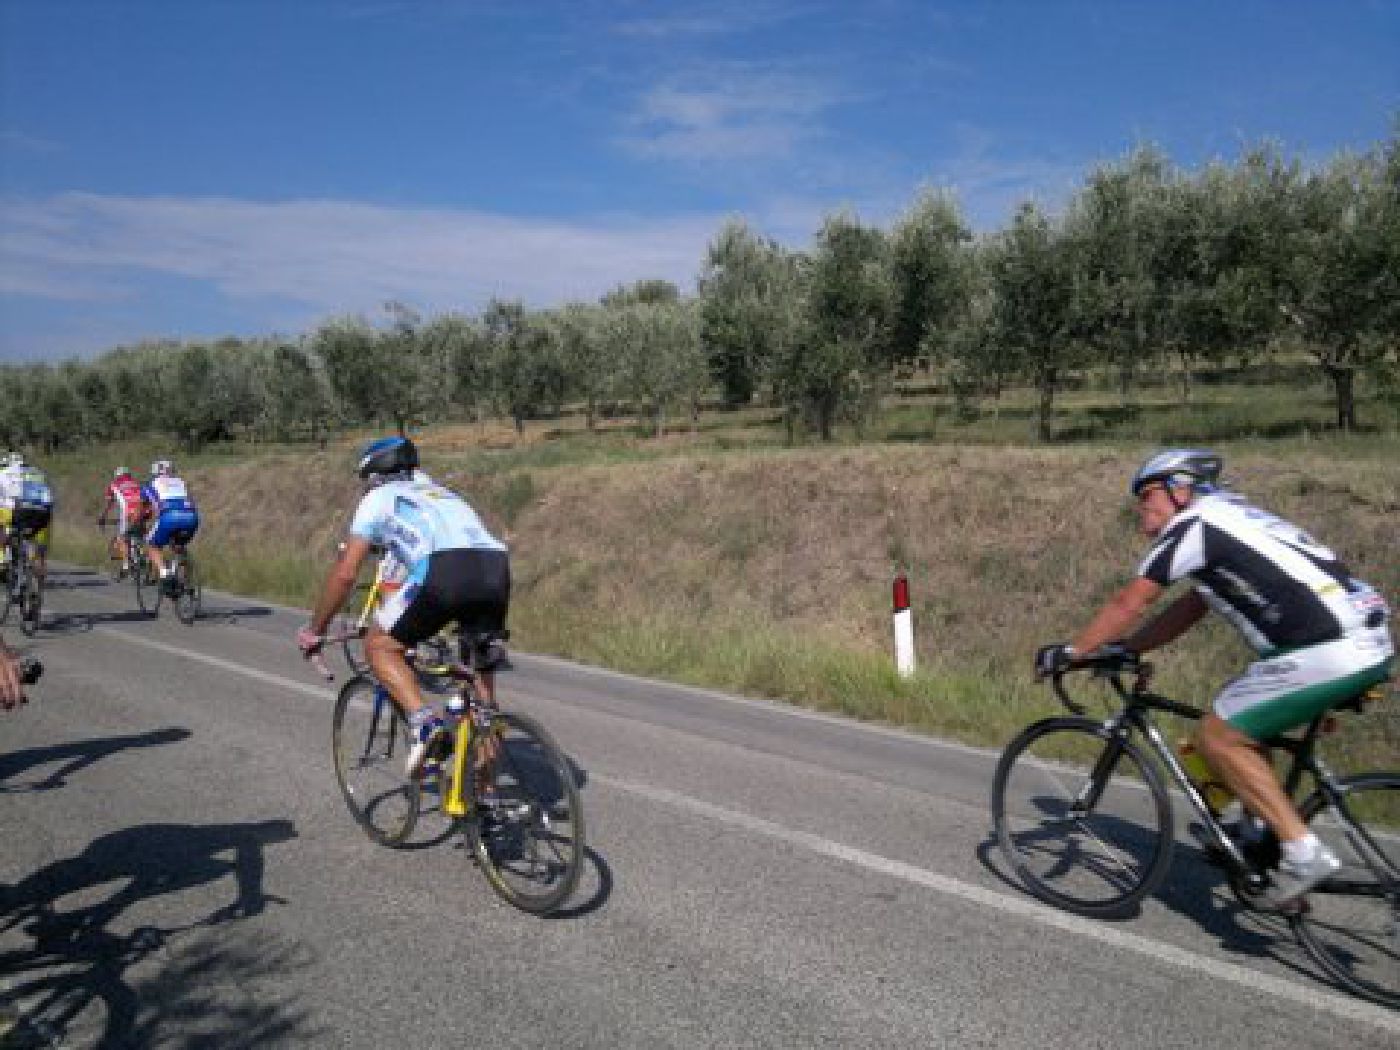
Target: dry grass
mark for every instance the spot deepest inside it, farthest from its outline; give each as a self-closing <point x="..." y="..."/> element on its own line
<point x="710" y="558"/>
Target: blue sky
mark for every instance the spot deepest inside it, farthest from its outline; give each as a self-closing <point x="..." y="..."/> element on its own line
<point x="198" y="168"/>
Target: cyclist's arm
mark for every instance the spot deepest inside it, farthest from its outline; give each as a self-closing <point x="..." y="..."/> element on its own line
<point x="340" y="582"/>
<point x="1119" y="615"/>
<point x="10" y="689"/>
<point x="1178" y="618"/>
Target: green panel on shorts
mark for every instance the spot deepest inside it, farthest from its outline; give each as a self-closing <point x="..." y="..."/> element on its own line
<point x="1283" y="713"/>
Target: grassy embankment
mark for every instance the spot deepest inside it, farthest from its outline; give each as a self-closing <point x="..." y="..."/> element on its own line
<point x="718" y="557"/>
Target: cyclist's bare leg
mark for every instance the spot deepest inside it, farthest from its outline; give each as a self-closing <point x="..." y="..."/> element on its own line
<point x="486" y="687"/>
<point x="157" y="559"/>
<point x="386" y="660"/>
<point x="1242" y="762"/>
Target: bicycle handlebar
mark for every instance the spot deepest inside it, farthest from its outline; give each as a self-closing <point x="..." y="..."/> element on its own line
<point x="1111" y="662"/>
<point x="343" y="634"/>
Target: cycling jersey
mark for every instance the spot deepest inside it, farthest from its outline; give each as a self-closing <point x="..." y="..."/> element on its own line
<point x="415" y="517"/>
<point x="26" y="487"/>
<point x="1322" y="635"/>
<point x="125" y="493"/>
<point x="26" y="503"/>
<point x="1278" y="586"/>
<point x="167" y="493"/>
<point x="176" y="517"/>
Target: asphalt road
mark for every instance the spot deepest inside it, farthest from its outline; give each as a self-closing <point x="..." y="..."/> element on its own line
<point x="178" y="870"/>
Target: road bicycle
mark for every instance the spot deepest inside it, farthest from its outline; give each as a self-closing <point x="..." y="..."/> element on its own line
<point x="501" y="779"/>
<point x="1084" y="818"/>
<point x="137" y="567"/>
<point x="182" y="586"/>
<point x="23" y="587"/>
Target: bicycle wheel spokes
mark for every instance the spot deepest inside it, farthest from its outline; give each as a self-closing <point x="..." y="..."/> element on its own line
<point x="187" y="599"/>
<point x="1085" y="829"/>
<point x="1352" y="924"/>
<point x="530" y="841"/>
<point x="370" y="739"/>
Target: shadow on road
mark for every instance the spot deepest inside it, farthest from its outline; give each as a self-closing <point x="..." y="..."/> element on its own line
<point x="73" y="756"/>
<point x="1194" y="888"/>
<point x="209" y="981"/>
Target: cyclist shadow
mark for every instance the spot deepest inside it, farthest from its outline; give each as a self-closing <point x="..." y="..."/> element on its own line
<point x="81" y="623"/>
<point x="230" y="614"/>
<point x="71" y="976"/>
<point x="73" y="757"/>
<point x="1193" y="887"/>
<point x="72" y="580"/>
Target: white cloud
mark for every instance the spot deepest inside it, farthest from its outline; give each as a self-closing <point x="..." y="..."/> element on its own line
<point x="729" y="113"/>
<point x="330" y="255"/>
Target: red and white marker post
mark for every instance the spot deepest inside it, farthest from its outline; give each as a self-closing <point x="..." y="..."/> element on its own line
<point x="903" y="628"/>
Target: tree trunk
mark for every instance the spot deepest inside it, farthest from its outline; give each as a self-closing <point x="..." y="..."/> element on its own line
<point x="1045" y="410"/>
<point x="1185" y="375"/>
<point x="1343" y="382"/>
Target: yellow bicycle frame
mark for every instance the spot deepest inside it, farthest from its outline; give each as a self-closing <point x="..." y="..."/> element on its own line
<point x="455" y="804"/>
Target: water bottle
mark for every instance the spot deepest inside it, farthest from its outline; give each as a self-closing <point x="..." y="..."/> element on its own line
<point x="456" y="706"/>
<point x="1214" y="790"/>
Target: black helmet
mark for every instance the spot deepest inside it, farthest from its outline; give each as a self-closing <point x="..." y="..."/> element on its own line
<point x="391" y="455"/>
<point x="1198" y="467"/>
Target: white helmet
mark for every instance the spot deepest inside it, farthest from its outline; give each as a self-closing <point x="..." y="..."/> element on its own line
<point x="14" y="459"/>
<point x="162" y="468"/>
<point x="1198" y="467"/>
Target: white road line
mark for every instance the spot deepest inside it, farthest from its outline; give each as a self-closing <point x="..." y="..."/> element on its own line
<point x="319" y="692"/>
<point x="1342" y="1006"/>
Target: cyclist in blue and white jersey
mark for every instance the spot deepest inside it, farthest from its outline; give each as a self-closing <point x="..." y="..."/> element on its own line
<point x="173" y="515"/>
<point x="1321" y="636"/>
<point x="26" y="505"/>
<point x="449" y="567"/>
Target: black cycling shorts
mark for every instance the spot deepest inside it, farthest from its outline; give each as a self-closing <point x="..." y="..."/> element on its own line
<point x="471" y="587"/>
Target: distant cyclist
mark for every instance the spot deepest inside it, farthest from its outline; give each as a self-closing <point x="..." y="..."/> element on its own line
<point x="174" y="517"/>
<point x="1321" y="635"/>
<point x="450" y="569"/>
<point x="26" y="506"/>
<point x="123" y="494"/>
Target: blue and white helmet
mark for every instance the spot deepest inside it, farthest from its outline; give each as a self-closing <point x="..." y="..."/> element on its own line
<point x="1198" y="467"/>
<point x="391" y="455"/>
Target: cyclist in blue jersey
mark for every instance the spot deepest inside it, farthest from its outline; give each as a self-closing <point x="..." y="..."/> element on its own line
<point x="448" y="567"/>
<point x="174" y="517"/>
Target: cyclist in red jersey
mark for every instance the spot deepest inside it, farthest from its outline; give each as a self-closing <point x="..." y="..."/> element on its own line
<point x="124" y="493"/>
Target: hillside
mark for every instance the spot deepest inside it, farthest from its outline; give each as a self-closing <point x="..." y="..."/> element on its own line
<point x="768" y="571"/>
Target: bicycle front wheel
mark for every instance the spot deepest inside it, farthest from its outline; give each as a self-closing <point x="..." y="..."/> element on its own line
<point x="527" y="829"/>
<point x="1082" y="817"/>
<point x="370" y="738"/>
<point x="187" y="600"/>
<point x="1352" y="923"/>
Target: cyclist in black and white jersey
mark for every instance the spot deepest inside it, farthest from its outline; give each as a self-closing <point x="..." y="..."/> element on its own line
<point x="1321" y="635"/>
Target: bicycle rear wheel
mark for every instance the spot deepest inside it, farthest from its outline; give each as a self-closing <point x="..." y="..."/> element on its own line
<point x="1082" y="817"/>
<point x="530" y="840"/>
<point x="1352" y="923"/>
<point x="370" y="739"/>
<point x="145" y="581"/>
<point x="187" y="600"/>
<point x="31" y="603"/>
